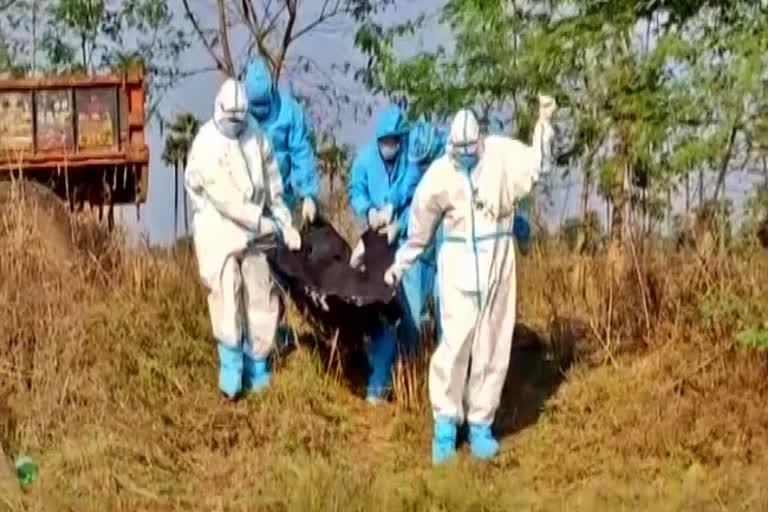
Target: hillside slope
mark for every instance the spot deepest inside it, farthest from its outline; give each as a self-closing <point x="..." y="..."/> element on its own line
<point x="108" y="379"/>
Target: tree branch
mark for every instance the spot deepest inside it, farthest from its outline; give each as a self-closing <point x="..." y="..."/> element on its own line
<point x="5" y="5"/>
<point x="252" y="24"/>
<point x="224" y="35"/>
<point x="199" y="31"/>
<point x="287" y="36"/>
<point x="273" y="21"/>
<point x="724" y="163"/>
<point x="322" y="18"/>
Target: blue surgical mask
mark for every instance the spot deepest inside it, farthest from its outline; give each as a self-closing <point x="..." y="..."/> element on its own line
<point x="388" y="151"/>
<point x="259" y="110"/>
<point x="467" y="161"/>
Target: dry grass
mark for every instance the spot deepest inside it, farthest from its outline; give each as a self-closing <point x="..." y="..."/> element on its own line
<point x="108" y="379"/>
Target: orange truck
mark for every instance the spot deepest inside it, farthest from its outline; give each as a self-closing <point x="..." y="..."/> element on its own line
<point x="82" y="136"/>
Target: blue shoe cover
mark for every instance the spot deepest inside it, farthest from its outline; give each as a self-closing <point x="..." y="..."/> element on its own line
<point x="284" y="338"/>
<point x="230" y="370"/>
<point x="256" y="374"/>
<point x="376" y="396"/>
<point x="481" y="442"/>
<point x="381" y="356"/>
<point x="443" y="441"/>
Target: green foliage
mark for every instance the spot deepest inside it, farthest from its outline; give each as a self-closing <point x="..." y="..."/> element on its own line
<point x="754" y="337"/>
<point x="89" y="35"/>
<point x="650" y="91"/>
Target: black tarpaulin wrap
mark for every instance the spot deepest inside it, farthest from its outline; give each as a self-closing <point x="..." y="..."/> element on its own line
<point x="319" y="277"/>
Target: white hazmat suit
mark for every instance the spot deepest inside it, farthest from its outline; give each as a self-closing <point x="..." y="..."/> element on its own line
<point x="236" y="191"/>
<point x="472" y="190"/>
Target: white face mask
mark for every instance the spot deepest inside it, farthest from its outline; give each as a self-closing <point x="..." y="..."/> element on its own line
<point x="389" y="150"/>
<point x="231" y="126"/>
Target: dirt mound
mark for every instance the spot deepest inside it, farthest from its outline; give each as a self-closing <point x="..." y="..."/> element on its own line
<point x="762" y="234"/>
<point x="31" y="208"/>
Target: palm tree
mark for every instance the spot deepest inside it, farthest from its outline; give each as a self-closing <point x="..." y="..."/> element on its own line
<point x="171" y="157"/>
<point x="177" y="145"/>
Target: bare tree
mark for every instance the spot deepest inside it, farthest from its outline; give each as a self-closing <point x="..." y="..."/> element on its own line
<point x="273" y="26"/>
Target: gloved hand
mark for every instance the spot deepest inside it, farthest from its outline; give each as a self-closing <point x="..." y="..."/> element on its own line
<point x="521" y="228"/>
<point x="356" y="260"/>
<point x="386" y="213"/>
<point x="391" y="230"/>
<point x="378" y="218"/>
<point x="547" y="106"/>
<point x="393" y="275"/>
<point x="267" y="226"/>
<point x="308" y="210"/>
<point x="291" y="237"/>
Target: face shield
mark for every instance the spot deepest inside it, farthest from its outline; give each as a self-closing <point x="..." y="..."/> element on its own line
<point x="465" y="140"/>
<point x="467" y="156"/>
<point x="230" y="109"/>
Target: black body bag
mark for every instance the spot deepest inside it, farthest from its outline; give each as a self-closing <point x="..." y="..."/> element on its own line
<point x="318" y="278"/>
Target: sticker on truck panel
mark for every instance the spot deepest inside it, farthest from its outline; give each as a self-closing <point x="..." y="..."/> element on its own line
<point x="54" y="120"/>
<point x="15" y="121"/>
<point x="96" y="118"/>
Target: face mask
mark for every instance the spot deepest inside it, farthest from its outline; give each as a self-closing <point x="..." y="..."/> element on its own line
<point x="467" y="161"/>
<point x="230" y="127"/>
<point x="259" y="110"/>
<point x="389" y="151"/>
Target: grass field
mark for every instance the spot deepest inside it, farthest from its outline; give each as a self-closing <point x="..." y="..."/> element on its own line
<point x="108" y="379"/>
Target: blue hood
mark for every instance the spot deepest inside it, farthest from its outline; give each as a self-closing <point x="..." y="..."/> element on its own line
<point x="425" y="143"/>
<point x="391" y="122"/>
<point x="259" y="86"/>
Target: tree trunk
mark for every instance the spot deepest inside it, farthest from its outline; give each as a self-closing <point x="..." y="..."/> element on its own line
<point x="83" y="39"/>
<point x="724" y="163"/>
<point x="619" y="192"/>
<point x="224" y="36"/>
<point x="619" y="200"/>
<point x="186" y="217"/>
<point x="586" y="190"/>
<point x="669" y="210"/>
<point x="175" y="200"/>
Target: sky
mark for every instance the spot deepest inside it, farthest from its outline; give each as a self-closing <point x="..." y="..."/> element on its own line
<point x="196" y="95"/>
<point x="324" y="47"/>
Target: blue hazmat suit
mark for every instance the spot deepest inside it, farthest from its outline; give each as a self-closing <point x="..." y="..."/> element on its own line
<point x="283" y="120"/>
<point x="426" y="143"/>
<point x="374" y="184"/>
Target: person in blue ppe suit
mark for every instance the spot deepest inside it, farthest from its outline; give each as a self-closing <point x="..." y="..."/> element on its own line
<point x="288" y="130"/>
<point x="426" y="143"/>
<point x="280" y="116"/>
<point x="381" y="186"/>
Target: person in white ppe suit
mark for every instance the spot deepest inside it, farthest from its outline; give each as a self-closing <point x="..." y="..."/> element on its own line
<point x="472" y="190"/>
<point x="236" y="192"/>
